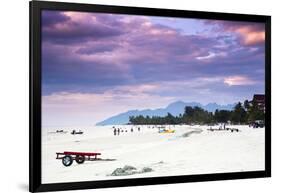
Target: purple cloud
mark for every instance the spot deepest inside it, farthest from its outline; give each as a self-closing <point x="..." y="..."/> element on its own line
<point x="71" y="27"/>
<point x="89" y="52"/>
<point x="50" y="18"/>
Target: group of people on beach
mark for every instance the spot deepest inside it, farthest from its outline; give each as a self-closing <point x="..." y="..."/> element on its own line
<point x="117" y="131"/>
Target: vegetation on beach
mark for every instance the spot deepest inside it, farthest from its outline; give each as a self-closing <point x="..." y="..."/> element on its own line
<point x="241" y="114"/>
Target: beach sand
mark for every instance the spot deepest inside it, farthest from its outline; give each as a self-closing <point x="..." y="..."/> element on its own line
<point x="190" y="150"/>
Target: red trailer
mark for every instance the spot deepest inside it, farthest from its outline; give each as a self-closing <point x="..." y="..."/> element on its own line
<point x="67" y="157"/>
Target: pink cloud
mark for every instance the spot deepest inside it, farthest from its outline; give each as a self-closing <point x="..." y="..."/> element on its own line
<point x="249" y="34"/>
<point x="238" y="80"/>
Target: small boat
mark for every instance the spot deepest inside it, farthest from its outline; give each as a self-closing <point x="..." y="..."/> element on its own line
<point x="167" y="131"/>
<point x="74" y="132"/>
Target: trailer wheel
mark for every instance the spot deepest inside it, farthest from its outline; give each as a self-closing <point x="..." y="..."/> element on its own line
<point x="80" y="159"/>
<point x="67" y="160"/>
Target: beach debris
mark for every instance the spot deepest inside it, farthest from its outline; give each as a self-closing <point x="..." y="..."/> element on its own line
<point x="127" y="167"/>
<point x="130" y="170"/>
<point x="118" y="172"/>
<point x="187" y="134"/>
<point x="126" y="170"/>
<point x="146" y="169"/>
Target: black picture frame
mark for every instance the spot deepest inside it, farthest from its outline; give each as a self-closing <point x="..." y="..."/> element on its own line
<point x="35" y="184"/>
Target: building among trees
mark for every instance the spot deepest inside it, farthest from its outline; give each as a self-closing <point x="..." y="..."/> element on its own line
<point x="259" y="100"/>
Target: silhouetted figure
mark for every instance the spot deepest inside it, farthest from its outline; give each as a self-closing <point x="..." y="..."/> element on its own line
<point x="114" y="131"/>
<point x="132" y="130"/>
<point x="118" y="131"/>
<point x="138" y="128"/>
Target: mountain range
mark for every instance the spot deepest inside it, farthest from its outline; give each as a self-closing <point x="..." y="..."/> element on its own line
<point x="174" y="108"/>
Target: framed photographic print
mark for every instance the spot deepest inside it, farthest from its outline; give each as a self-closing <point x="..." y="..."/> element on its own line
<point x="126" y="96"/>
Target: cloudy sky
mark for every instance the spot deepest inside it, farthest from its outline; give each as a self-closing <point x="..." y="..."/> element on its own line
<point x="97" y="65"/>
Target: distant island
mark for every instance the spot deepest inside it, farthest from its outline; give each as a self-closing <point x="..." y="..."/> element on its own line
<point x="175" y="109"/>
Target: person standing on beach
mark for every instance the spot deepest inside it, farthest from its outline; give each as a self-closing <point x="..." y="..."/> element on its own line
<point x="118" y="131"/>
<point x="114" y="131"/>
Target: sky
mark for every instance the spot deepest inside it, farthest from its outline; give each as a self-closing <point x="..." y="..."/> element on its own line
<point x="97" y="65"/>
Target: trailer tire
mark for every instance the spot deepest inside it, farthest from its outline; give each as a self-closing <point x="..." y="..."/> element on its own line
<point x="80" y="159"/>
<point x="67" y="160"/>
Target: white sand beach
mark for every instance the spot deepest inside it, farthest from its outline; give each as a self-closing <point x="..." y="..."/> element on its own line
<point x="167" y="154"/>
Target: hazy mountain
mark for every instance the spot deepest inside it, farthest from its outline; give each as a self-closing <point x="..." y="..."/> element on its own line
<point x="175" y="109"/>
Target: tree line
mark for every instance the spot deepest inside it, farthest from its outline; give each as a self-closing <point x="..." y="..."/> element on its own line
<point x="241" y="114"/>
